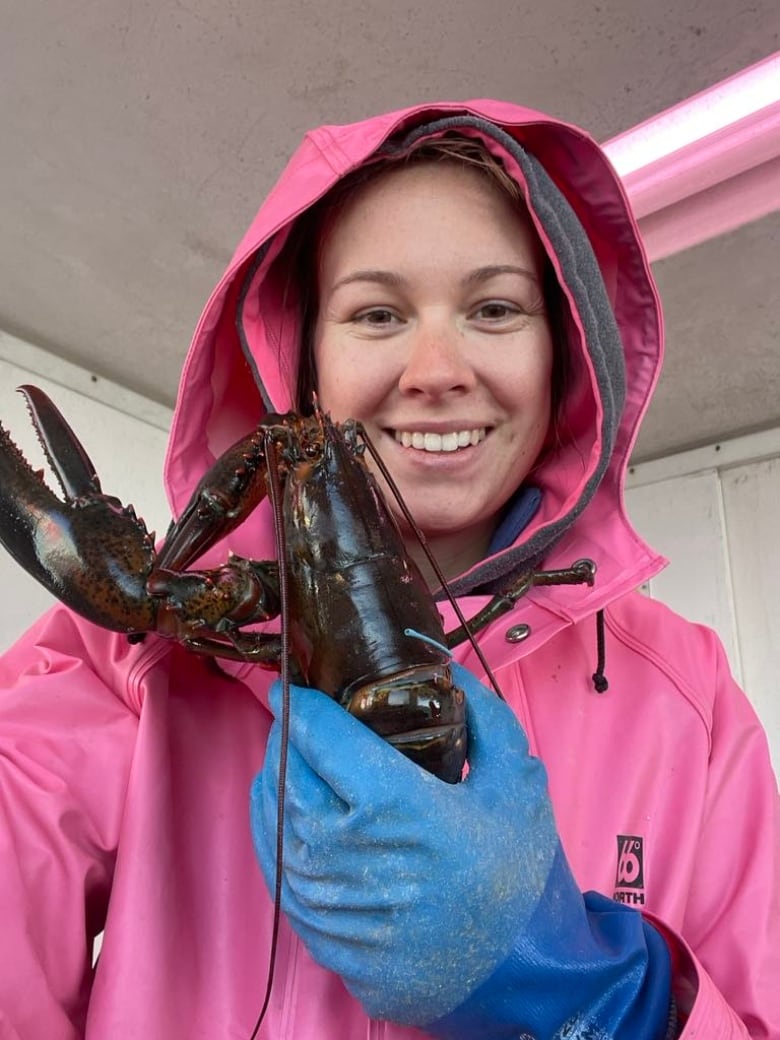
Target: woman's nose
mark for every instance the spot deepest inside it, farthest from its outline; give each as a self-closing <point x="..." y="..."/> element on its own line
<point x="437" y="363"/>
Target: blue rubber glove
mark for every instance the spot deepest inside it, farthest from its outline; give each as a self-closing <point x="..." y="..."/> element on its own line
<point x="449" y="907"/>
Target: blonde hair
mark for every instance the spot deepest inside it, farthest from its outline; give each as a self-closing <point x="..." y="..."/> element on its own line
<point x="468" y="151"/>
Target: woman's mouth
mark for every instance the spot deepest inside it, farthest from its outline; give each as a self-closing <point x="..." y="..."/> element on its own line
<point x="440" y="442"/>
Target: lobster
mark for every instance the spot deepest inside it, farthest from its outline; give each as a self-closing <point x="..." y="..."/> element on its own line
<point x="363" y="626"/>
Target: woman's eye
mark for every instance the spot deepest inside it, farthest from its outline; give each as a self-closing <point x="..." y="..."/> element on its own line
<point x="377" y="317"/>
<point x="496" y="310"/>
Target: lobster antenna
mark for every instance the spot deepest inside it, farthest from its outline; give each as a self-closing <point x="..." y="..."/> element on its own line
<point x="275" y="495"/>
<point x="431" y="558"/>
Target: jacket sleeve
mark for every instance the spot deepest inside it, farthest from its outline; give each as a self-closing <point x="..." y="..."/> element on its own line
<point x="726" y="968"/>
<point x="66" y="742"/>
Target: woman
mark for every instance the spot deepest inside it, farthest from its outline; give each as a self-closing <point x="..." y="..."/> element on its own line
<point x="476" y="294"/>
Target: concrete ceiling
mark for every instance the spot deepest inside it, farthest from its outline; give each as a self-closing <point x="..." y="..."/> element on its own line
<point x="139" y="136"/>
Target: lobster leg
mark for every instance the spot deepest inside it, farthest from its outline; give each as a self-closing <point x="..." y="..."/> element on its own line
<point x="265" y="651"/>
<point x="204" y="609"/>
<point x="227" y="493"/>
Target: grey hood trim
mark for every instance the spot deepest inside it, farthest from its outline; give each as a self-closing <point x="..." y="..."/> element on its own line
<point x="583" y="279"/>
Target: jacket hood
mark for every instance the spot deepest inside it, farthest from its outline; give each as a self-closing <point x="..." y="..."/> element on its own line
<point x="243" y="357"/>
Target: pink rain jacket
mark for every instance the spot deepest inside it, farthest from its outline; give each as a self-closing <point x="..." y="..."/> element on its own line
<point x="125" y="770"/>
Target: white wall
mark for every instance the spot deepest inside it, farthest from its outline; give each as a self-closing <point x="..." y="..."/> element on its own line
<point x="714" y="513"/>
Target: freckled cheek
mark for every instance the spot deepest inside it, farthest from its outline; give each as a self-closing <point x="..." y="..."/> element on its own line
<point x="350" y="381"/>
<point x="338" y="396"/>
<point x="345" y="395"/>
<point x="527" y="400"/>
<point x="336" y="378"/>
<point x="530" y="388"/>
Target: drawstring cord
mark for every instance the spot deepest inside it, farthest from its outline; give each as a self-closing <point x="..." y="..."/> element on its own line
<point x="600" y="682"/>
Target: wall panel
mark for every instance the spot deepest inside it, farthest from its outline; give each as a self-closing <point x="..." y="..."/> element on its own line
<point x="751" y="497"/>
<point x="718" y="525"/>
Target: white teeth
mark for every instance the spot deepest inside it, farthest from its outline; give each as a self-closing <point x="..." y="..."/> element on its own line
<point x="436" y="442"/>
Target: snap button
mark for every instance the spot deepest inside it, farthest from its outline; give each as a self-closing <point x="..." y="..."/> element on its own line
<point x="517" y="633"/>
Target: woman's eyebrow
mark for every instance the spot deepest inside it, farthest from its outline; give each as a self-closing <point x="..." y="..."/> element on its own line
<point x="483" y="274"/>
<point x="377" y="276"/>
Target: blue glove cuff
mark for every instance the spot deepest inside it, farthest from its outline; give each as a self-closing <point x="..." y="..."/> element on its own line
<point x="584" y="966"/>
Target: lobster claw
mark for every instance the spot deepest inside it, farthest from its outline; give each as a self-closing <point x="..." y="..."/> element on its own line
<point x="88" y="550"/>
<point x="95" y="555"/>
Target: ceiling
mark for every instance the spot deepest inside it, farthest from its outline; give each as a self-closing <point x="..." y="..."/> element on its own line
<point x="139" y="137"/>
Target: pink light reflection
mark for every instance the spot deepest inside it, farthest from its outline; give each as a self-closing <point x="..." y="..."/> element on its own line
<point x="707" y="165"/>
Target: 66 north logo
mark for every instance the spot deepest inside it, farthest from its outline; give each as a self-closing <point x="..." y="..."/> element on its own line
<point x="630" y="874"/>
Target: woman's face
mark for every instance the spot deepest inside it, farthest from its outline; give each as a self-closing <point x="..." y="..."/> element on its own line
<point x="432" y="331"/>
